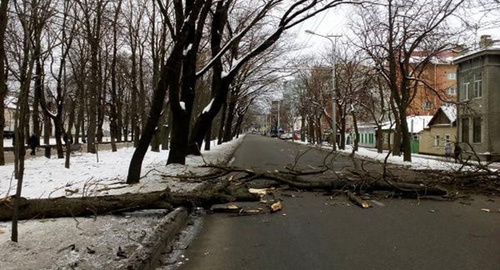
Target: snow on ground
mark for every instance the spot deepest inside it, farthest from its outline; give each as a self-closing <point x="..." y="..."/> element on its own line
<point x="52" y="141"/>
<point x="91" y="243"/>
<point x="419" y="161"/>
<point x="46" y="178"/>
<point x="75" y="243"/>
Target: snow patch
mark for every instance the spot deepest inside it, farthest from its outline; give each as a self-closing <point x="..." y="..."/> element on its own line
<point x="208" y="107"/>
<point x="187" y="49"/>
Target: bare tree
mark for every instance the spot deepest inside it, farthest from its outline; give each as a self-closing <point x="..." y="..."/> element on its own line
<point x="391" y="34"/>
<point x="4" y="5"/>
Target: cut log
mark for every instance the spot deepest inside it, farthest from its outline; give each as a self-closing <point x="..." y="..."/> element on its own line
<point x="358" y="201"/>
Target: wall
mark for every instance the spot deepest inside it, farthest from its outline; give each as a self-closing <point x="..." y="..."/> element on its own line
<point x="427" y="139"/>
<point x="437" y="76"/>
<point x="367" y="137"/>
<point x="487" y="107"/>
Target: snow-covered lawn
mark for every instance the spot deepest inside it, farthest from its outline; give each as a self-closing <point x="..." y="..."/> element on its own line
<point x="75" y="243"/>
<point x="45" y="178"/>
<point x="96" y="242"/>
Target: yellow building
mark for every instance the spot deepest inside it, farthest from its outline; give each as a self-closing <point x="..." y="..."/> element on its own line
<point x="441" y="130"/>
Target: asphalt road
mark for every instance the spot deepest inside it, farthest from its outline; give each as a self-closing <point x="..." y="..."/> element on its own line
<point x="319" y="232"/>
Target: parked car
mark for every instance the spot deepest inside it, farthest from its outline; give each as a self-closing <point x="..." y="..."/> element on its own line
<point x="286" y="136"/>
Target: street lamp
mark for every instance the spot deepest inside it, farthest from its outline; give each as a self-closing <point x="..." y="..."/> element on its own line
<point x="333" y="40"/>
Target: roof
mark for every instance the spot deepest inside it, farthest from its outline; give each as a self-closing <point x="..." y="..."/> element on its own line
<point x="367" y="125"/>
<point x="440" y="58"/>
<point x="416" y="123"/>
<point x="450" y="111"/>
<point x="492" y="50"/>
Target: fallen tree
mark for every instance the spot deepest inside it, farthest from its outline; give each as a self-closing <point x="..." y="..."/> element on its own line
<point x="210" y="193"/>
<point x="221" y="185"/>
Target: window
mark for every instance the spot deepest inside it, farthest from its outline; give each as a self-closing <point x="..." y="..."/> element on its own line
<point x="427" y="105"/>
<point x="436" y="141"/>
<point x="446" y="138"/>
<point x="476" y="130"/>
<point x="466" y="92"/>
<point x="371" y="138"/>
<point x="451" y="76"/>
<point x="465" y="130"/>
<point x="478" y="86"/>
<point x="452" y="91"/>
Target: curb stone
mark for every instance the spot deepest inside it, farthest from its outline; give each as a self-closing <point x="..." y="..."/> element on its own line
<point x="146" y="256"/>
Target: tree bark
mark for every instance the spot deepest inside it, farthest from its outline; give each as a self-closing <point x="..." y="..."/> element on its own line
<point x="222" y="124"/>
<point x="3" y="77"/>
<point x="356" y="133"/>
<point x="230" y="117"/>
<point x="69" y="136"/>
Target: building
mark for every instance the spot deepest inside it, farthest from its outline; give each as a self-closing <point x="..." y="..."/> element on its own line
<point x="440" y="130"/>
<point x="440" y="76"/>
<point x="10" y="114"/>
<point x="416" y="123"/>
<point x="367" y="135"/>
<point x="478" y="112"/>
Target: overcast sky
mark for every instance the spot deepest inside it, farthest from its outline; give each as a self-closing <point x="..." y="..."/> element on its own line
<point x="335" y="22"/>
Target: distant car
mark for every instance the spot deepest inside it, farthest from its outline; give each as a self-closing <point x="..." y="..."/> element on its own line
<point x="286" y="136"/>
<point x="7" y="134"/>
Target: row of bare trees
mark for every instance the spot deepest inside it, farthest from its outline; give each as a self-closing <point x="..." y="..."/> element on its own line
<point x="380" y="68"/>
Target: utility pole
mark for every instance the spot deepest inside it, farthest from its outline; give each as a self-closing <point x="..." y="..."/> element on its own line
<point x="333" y="40"/>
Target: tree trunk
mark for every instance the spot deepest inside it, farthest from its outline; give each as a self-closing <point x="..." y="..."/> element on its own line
<point x="205" y="196"/>
<point x="208" y="138"/>
<point x="379" y="139"/>
<point x="69" y="136"/>
<point x="47" y="128"/>
<point x="406" y="139"/>
<point x="179" y="139"/>
<point x="229" y="122"/>
<point x="59" y="130"/>
<point x="356" y="132"/>
<point x="222" y="124"/>
<point x="303" y="128"/>
<point x="165" y="132"/>
<point x="342" y="132"/>
<point x="155" y="141"/>
<point x="3" y="78"/>
<point x="68" y="207"/>
<point x="396" y="145"/>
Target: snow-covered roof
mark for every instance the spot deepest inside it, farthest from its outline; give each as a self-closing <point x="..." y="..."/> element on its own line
<point x="494" y="49"/>
<point x="367" y="125"/>
<point x="441" y="58"/>
<point x="416" y="123"/>
<point x="450" y="111"/>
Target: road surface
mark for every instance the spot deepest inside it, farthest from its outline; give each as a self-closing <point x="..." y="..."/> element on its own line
<point x="317" y="232"/>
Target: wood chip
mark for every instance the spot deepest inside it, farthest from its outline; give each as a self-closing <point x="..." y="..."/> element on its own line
<point x="275" y="207"/>
<point x="258" y="191"/>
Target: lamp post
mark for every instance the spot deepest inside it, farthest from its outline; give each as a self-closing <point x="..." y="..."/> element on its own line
<point x="333" y="40"/>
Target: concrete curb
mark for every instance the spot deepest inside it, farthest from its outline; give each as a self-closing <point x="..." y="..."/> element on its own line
<point x="146" y="256"/>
